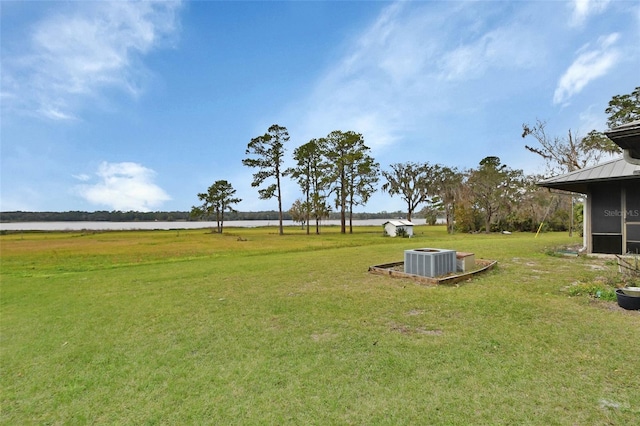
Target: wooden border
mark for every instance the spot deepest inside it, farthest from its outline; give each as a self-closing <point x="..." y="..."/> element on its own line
<point x="386" y="269"/>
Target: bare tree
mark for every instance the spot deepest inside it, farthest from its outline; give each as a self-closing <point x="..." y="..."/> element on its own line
<point x="574" y="153"/>
<point x="561" y="154"/>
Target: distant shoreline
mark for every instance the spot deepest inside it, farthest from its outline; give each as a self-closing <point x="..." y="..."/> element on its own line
<point x="165" y="225"/>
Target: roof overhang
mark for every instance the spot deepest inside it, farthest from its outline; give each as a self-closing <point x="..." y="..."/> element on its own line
<point x="580" y="180"/>
<point x="627" y="137"/>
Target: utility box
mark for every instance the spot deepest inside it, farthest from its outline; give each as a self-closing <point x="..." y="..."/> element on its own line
<point x="429" y="262"/>
<point x="465" y="262"/>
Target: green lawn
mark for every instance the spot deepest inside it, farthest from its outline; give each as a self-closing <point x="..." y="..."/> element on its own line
<point x="249" y="327"/>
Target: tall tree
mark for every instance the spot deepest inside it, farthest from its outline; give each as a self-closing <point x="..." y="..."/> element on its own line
<point x="493" y="187"/>
<point x="347" y="156"/>
<point x="320" y="184"/>
<point x="309" y="172"/>
<point x="468" y="217"/>
<point x="447" y="182"/>
<point x="411" y="181"/>
<point x="218" y="198"/>
<point x="269" y="152"/>
<point x="622" y="109"/>
<point x="363" y="174"/>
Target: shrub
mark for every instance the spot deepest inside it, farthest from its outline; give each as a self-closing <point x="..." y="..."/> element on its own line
<point x="402" y="232"/>
<point x="596" y="290"/>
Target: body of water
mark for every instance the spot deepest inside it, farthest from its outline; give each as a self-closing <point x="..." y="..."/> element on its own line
<point x="126" y="226"/>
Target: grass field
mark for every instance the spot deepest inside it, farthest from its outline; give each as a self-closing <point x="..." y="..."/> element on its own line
<point x="249" y="327"/>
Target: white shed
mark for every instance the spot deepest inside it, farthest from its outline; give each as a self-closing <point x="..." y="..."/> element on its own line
<point x="394" y="227"/>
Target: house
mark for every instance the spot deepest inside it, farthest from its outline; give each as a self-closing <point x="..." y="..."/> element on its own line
<point x="393" y="228"/>
<point x="612" y="189"/>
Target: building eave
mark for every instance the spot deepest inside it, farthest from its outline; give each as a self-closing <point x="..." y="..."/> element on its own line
<point x="627" y="137"/>
<point x="579" y="180"/>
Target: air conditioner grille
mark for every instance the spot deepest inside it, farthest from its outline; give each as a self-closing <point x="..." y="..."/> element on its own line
<point x="429" y="262"/>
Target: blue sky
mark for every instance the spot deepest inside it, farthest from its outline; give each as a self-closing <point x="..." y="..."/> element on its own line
<point x="141" y="105"/>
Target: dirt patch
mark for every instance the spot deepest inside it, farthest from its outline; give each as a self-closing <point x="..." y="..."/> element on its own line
<point x="407" y="330"/>
<point x="429" y="332"/>
<point x="597" y="267"/>
<point x="401" y="328"/>
<point x="323" y="337"/>
<point x="611" y="306"/>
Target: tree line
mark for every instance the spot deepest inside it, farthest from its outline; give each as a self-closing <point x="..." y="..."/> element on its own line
<point x="97" y="216"/>
<point x="338" y="171"/>
<point x="163" y="216"/>
<point x="338" y="167"/>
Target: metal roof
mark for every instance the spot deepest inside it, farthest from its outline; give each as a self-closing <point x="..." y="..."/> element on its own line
<point x="578" y="180"/>
<point x="399" y="222"/>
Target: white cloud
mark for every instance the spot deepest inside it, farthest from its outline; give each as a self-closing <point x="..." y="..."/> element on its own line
<point x="504" y="47"/>
<point x="590" y="64"/>
<point x="366" y="89"/>
<point x="582" y="9"/>
<point x="409" y="65"/>
<point x="75" y="53"/>
<point x="55" y="113"/>
<point x="124" y="186"/>
<point x="82" y="177"/>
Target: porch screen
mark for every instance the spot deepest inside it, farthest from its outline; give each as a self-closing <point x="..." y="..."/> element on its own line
<point x="606" y="211"/>
<point x="632" y="191"/>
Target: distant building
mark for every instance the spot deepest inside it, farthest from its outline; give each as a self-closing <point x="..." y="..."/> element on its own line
<point x="394" y="227"/>
<point x="612" y="189"/>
